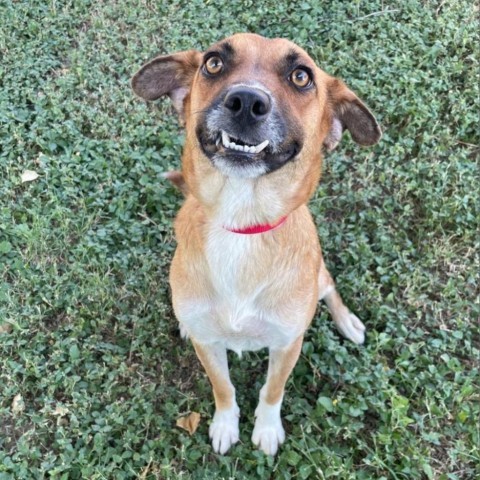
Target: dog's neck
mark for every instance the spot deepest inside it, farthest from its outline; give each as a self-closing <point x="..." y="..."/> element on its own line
<point x="236" y="203"/>
<point x="241" y="202"/>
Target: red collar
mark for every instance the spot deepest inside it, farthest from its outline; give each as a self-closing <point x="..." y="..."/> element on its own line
<point x="257" y="228"/>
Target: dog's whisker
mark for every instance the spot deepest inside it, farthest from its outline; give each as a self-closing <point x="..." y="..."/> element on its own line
<point x="198" y="112"/>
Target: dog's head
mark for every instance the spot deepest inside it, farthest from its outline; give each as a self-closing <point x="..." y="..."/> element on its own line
<point x="252" y="105"/>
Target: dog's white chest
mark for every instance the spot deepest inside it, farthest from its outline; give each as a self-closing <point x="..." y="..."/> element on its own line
<point x="236" y="315"/>
<point x="240" y="319"/>
<point x="239" y="310"/>
<point x="227" y="254"/>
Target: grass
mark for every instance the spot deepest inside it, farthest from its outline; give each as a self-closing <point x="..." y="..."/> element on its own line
<point x="93" y="374"/>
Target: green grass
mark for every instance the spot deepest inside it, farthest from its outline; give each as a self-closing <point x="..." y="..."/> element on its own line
<point x="93" y="373"/>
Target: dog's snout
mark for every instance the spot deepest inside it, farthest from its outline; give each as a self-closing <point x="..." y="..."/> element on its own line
<point x="248" y="104"/>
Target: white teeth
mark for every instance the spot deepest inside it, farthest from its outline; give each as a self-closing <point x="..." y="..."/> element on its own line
<point x="225" y="139"/>
<point x="260" y="147"/>
<point x="241" y="148"/>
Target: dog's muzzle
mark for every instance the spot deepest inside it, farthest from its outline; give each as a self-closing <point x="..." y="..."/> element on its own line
<point x="244" y="134"/>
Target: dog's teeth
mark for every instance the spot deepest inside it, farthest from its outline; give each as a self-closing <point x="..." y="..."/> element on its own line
<point x="217" y="143"/>
<point x="261" y="146"/>
<point x="227" y="143"/>
<point x="225" y="139"/>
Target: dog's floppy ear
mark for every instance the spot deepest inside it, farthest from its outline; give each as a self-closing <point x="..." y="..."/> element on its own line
<point x="348" y="112"/>
<point x="169" y="75"/>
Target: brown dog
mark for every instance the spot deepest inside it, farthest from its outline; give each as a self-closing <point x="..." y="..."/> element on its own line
<point x="248" y="270"/>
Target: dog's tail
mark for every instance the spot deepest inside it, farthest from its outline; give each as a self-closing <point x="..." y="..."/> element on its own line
<point x="177" y="179"/>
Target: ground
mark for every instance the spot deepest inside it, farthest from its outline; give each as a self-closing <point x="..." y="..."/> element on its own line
<point x="93" y="372"/>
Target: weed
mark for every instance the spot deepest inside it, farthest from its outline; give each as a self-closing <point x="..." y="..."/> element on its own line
<point x="93" y="374"/>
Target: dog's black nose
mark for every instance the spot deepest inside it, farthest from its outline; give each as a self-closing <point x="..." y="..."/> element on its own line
<point x="248" y="104"/>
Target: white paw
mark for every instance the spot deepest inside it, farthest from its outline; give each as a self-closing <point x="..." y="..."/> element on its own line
<point x="183" y="332"/>
<point x="350" y="326"/>
<point x="224" y="429"/>
<point x="268" y="432"/>
<point x="268" y="437"/>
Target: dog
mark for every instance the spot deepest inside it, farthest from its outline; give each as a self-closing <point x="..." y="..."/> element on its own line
<point x="248" y="269"/>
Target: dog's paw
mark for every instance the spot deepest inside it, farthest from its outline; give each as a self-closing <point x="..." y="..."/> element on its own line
<point x="183" y="332"/>
<point x="224" y="429"/>
<point x="351" y="327"/>
<point x="268" y="433"/>
<point x="268" y="437"/>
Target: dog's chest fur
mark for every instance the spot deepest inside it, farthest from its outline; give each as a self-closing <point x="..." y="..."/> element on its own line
<point x="250" y="304"/>
<point x="240" y="313"/>
<point x="241" y="317"/>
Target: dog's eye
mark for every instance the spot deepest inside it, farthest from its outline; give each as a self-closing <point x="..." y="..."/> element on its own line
<point x="213" y="65"/>
<point x="300" y="78"/>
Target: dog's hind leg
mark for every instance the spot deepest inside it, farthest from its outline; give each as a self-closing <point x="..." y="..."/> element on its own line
<point x="268" y="432"/>
<point x="348" y="324"/>
<point x="223" y="430"/>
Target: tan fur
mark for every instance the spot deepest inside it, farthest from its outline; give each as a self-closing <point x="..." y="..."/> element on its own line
<point x="279" y="370"/>
<point x="223" y="390"/>
<point x="234" y="292"/>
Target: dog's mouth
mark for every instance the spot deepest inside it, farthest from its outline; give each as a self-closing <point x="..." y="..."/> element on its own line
<point x="225" y="144"/>
<point x="238" y="145"/>
<point x="237" y="156"/>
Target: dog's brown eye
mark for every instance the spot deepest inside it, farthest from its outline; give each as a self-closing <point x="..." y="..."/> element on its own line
<point x="300" y="78"/>
<point x="214" y="65"/>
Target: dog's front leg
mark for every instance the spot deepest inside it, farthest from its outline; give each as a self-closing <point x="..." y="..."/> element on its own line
<point x="268" y="432"/>
<point x="224" y="427"/>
